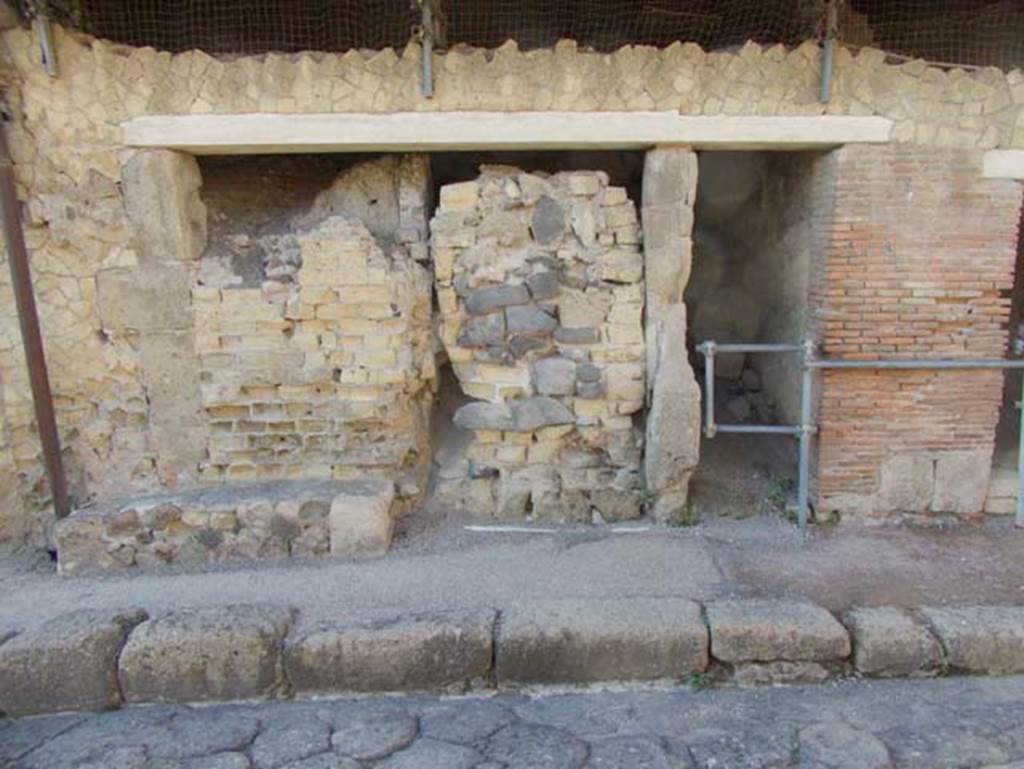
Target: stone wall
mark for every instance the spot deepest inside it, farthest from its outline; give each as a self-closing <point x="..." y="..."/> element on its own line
<point x="919" y="263"/>
<point x="66" y="142"/>
<point x="540" y="287"/>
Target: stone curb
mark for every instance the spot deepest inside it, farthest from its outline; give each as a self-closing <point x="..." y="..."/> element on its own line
<point x="101" y="659"/>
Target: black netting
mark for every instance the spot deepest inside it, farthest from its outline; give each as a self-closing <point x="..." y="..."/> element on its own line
<point x="962" y="32"/>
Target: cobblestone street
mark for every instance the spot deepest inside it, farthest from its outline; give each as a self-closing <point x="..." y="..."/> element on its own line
<point x="966" y="722"/>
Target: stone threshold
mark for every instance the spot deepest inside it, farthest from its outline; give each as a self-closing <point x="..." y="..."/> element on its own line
<point x="102" y="659"/>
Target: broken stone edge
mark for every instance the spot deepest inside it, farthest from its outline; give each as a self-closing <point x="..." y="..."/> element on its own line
<point x="457" y="650"/>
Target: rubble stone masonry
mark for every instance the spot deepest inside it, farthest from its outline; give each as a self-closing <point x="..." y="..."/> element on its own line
<point x="919" y="204"/>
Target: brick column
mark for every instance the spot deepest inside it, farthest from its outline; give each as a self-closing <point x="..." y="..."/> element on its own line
<point x="672" y="446"/>
<point x="918" y="263"/>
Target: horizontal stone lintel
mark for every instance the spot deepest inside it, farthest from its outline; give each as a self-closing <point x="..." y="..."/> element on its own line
<point x="262" y="133"/>
<point x="1003" y="164"/>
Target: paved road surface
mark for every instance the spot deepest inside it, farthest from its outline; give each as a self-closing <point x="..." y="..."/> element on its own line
<point x="966" y="722"/>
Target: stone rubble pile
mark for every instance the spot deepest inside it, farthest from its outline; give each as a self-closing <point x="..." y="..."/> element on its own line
<point x="539" y="281"/>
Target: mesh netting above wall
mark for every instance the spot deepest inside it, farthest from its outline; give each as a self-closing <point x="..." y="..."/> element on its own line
<point x="967" y="32"/>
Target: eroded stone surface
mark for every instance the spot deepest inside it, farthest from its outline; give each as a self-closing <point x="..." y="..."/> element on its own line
<point x="428" y="652"/>
<point x="586" y="641"/>
<point x="68" y="663"/>
<point x="766" y="630"/>
<point x="215" y="653"/>
<point x="889" y="641"/>
<point x="980" y="639"/>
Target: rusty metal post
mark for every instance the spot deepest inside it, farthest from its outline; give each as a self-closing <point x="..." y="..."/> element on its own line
<point x="32" y="339"/>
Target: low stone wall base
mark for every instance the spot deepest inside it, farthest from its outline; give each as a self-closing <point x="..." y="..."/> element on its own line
<point x="230" y="523"/>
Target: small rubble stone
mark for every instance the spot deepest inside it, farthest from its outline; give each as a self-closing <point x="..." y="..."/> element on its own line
<point x="767" y="630"/>
<point x="210" y="653"/>
<point x="543" y="285"/>
<point x="461" y="196"/>
<point x="485" y="300"/>
<point x="554" y="376"/>
<point x="980" y="639"/>
<point x="484" y="416"/>
<point x="888" y="641"/>
<point x="68" y="663"/>
<point x="529" y="414"/>
<point x="436" y="651"/>
<point x="617" y="504"/>
<point x="529" y="319"/>
<point x="361" y="520"/>
<point x="548" y="224"/>
<point x="600" y="640"/>
<point x="483" y="331"/>
<point x="579" y="335"/>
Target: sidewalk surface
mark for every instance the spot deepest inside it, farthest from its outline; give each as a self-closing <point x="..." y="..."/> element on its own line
<point x="449" y="567"/>
<point x="940" y="723"/>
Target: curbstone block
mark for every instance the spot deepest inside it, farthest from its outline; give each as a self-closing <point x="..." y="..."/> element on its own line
<point x="436" y="651"/>
<point x="210" y="653"/>
<point x="68" y="663"/>
<point x="582" y="641"/>
<point x="767" y="630"/>
<point x="888" y="642"/>
<point x="980" y="639"/>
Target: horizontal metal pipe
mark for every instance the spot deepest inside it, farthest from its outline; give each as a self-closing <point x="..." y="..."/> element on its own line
<point x="777" y="429"/>
<point x="911" y="363"/>
<point x="720" y="348"/>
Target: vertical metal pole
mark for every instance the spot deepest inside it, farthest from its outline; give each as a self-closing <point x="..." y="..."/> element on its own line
<point x="828" y="55"/>
<point x="709" y="390"/>
<point x="1019" y="520"/>
<point x="31" y="336"/>
<point x="804" y="468"/>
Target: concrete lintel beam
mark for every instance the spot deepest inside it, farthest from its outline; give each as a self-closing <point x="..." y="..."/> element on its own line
<point x="414" y="131"/>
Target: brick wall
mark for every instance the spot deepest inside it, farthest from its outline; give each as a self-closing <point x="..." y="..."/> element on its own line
<point x="323" y="377"/>
<point x="918" y="262"/>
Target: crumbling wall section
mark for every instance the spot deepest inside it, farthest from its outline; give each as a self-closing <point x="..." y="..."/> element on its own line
<point x="326" y="368"/>
<point x="539" y="282"/>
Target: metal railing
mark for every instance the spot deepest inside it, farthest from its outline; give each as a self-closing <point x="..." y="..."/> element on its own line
<point x="806" y="428"/>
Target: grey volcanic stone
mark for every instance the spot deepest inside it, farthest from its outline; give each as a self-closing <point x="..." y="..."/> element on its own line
<point x="634" y="752"/>
<point x="483" y="331"/>
<point x="285" y="740"/>
<point x="464" y="726"/>
<point x="979" y="639"/>
<point x="590" y="390"/>
<point x="588" y="372"/>
<point x="767" y="630"/>
<point x="520" y="344"/>
<point x="583" y="641"/>
<point x="370" y="735"/>
<point x="532" y="746"/>
<point x="543" y="285"/>
<point x="69" y="663"/>
<point x="485" y="300"/>
<point x="426" y="753"/>
<point x="427" y="652"/>
<point x="529" y="319"/>
<point x="548" y="223"/>
<point x="838" y="745"/>
<point x="480" y="415"/>
<point x="887" y="641"/>
<point x="529" y="414"/>
<point x="579" y="335"/>
<point x="554" y="376"/>
<point x="325" y="761"/>
<point x="211" y="653"/>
